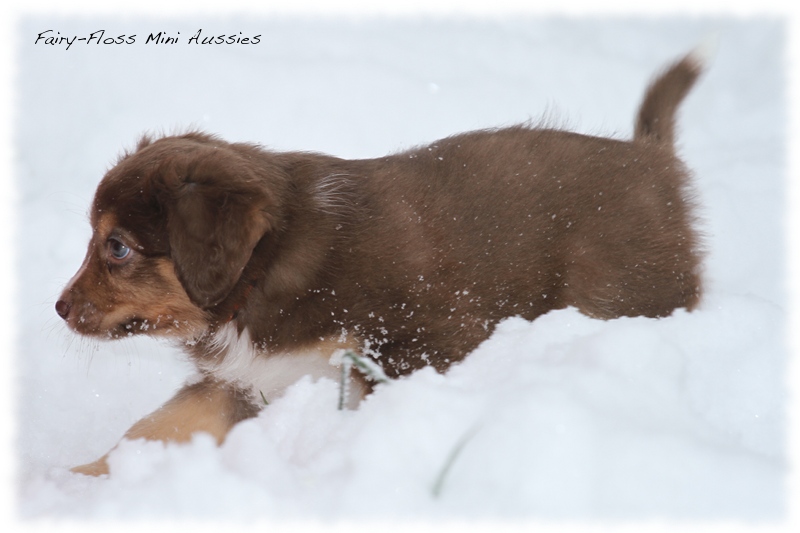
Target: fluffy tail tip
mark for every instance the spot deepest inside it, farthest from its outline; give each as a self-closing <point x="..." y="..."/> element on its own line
<point x="704" y="53"/>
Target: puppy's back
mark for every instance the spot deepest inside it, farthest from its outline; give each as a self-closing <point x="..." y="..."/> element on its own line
<point x="519" y="221"/>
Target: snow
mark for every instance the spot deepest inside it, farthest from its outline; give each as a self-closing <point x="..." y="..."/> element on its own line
<point x="565" y="418"/>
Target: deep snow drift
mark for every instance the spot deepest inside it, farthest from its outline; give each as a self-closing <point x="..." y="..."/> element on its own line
<point x="565" y="417"/>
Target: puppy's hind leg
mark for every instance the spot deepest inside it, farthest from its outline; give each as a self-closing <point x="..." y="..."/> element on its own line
<point x="211" y="406"/>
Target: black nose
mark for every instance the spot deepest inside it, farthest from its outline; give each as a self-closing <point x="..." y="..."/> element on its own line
<point x="62" y="308"/>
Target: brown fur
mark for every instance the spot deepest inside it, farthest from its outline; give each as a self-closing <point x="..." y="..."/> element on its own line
<point x="412" y="257"/>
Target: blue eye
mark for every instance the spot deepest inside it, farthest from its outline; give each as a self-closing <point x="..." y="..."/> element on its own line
<point x="117" y="249"/>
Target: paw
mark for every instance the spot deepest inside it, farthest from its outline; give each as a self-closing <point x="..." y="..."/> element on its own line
<point x="97" y="468"/>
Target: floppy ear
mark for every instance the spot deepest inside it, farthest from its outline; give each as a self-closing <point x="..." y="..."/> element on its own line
<point x="213" y="227"/>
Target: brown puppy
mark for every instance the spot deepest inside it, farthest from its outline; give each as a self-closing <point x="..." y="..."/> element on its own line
<point x="263" y="264"/>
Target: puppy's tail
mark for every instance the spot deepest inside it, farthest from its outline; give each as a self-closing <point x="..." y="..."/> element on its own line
<point x="656" y="119"/>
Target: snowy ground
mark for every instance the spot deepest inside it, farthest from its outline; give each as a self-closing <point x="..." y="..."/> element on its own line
<point x="564" y="418"/>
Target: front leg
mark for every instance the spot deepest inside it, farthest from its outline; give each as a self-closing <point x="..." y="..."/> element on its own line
<point x="210" y="405"/>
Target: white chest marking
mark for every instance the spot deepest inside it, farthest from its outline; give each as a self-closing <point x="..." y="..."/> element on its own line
<point x="238" y="360"/>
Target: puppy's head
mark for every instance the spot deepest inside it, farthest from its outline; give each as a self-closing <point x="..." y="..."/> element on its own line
<point x="174" y="224"/>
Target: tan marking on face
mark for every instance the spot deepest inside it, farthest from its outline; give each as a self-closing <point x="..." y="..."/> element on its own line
<point x="106" y="222"/>
<point x="143" y="295"/>
<point x="160" y="307"/>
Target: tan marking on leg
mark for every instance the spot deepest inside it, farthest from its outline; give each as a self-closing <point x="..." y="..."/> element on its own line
<point x="207" y="406"/>
<point x="205" y="409"/>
